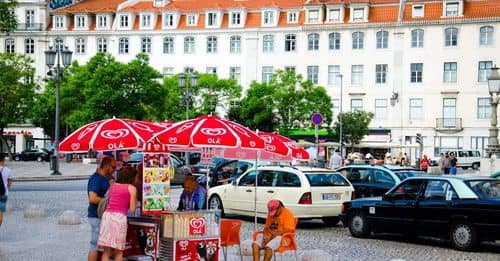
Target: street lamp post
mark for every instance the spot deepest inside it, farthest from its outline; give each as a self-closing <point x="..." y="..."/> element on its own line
<point x="494" y="89"/>
<point x="187" y="80"/>
<point x="63" y="58"/>
<point x="340" y="118"/>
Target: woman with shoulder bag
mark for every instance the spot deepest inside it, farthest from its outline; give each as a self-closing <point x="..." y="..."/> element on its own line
<point x="122" y="197"/>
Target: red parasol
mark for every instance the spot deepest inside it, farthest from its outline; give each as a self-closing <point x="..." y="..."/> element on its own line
<point x="110" y="134"/>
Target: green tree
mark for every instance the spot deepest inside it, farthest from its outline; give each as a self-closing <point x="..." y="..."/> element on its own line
<point x="17" y="89"/>
<point x="8" y="21"/>
<point x="354" y="126"/>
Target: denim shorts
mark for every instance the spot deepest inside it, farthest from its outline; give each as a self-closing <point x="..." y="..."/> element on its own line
<point x="3" y="206"/>
<point x="94" y="233"/>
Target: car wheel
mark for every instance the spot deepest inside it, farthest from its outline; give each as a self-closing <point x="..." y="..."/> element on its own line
<point x="331" y="221"/>
<point x="216" y="203"/>
<point x="358" y="226"/>
<point x="39" y="158"/>
<point x="463" y="236"/>
<point x="17" y="158"/>
<point x="475" y="166"/>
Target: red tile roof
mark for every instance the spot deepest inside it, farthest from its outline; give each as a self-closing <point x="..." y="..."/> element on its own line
<point x="90" y="6"/>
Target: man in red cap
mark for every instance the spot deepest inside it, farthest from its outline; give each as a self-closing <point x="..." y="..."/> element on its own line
<point x="279" y="220"/>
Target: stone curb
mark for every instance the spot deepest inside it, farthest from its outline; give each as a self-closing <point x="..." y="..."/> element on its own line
<point x="50" y="178"/>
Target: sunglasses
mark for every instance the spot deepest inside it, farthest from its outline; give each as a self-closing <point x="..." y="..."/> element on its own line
<point x="113" y="166"/>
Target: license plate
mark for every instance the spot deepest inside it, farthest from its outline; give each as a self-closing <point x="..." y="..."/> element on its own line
<point x="330" y="196"/>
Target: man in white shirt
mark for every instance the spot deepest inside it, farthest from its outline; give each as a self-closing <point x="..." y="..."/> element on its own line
<point x="335" y="161"/>
<point x="5" y="175"/>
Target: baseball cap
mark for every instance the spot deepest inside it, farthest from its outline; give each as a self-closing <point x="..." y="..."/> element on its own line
<point x="272" y="206"/>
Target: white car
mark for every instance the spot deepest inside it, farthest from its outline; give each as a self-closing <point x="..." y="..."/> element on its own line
<point x="308" y="192"/>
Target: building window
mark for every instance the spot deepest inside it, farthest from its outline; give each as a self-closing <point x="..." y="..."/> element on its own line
<point x="450" y="72"/>
<point x="102" y="45"/>
<point x="212" y="70"/>
<point x="188" y="44"/>
<point x="333" y="74"/>
<point x="483" y="108"/>
<point x="417" y="11"/>
<point x="416" y="72"/>
<point x="382" y="39"/>
<point x="80" y="21"/>
<point x="381" y="73"/>
<point x="236" y="18"/>
<point x="235" y="73"/>
<point x="357" y="40"/>
<point x="292" y="17"/>
<point x="191" y="20"/>
<point x="267" y="73"/>
<point x="268" y="43"/>
<point x="358" y="14"/>
<point x="168" y="71"/>
<point x="123" y="21"/>
<point x="416" y="109"/>
<point x="80" y="46"/>
<point x="146" y="21"/>
<point x="334" y="41"/>
<point x="450" y="36"/>
<point x="486" y="35"/>
<point x="334" y="15"/>
<point x="449" y="112"/>
<point x="380" y="109"/>
<point x="335" y="109"/>
<point x="312" y="73"/>
<point x="59" y="44"/>
<point x="356" y="105"/>
<point x="168" y="45"/>
<point x="211" y="44"/>
<point x="212" y="19"/>
<point x="290" y="68"/>
<point x="168" y="20"/>
<point x="158" y="3"/>
<point x="451" y="9"/>
<point x="356" y="74"/>
<point x="102" y="21"/>
<point x="313" y="16"/>
<point x="29" y="46"/>
<point x="29" y="16"/>
<point x="313" y="42"/>
<point x="479" y="143"/>
<point x="290" y="42"/>
<point x="235" y="44"/>
<point x="123" y="46"/>
<point x="59" y="21"/>
<point x="484" y="70"/>
<point x="268" y="17"/>
<point x="417" y="38"/>
<point x="189" y="70"/>
<point x="146" y="45"/>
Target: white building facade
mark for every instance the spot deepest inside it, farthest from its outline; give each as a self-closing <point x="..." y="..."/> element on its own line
<point x="420" y="66"/>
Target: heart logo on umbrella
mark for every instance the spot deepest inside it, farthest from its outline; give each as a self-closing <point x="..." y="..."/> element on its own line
<point x="240" y="130"/>
<point x="213" y="131"/>
<point x="252" y="144"/>
<point x="89" y="129"/>
<point x="75" y="146"/>
<point x="143" y="127"/>
<point x="270" y="147"/>
<point x="172" y="140"/>
<point x="184" y="127"/>
<point x="115" y="134"/>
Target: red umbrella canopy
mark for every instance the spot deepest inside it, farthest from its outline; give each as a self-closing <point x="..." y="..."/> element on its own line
<point x="210" y="131"/>
<point x="111" y="134"/>
<point x="274" y="143"/>
<point x="297" y="152"/>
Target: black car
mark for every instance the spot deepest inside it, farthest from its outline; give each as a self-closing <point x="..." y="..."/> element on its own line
<point x="463" y="210"/>
<point x="227" y="171"/>
<point x="33" y="154"/>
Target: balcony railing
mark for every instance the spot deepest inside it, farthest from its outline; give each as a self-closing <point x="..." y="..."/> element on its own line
<point x="449" y="124"/>
<point x="30" y="27"/>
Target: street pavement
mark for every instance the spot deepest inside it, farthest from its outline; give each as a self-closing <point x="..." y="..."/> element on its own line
<point x="40" y="171"/>
<point x="44" y="239"/>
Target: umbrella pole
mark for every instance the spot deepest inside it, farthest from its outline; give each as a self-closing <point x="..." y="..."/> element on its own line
<point x="255" y="191"/>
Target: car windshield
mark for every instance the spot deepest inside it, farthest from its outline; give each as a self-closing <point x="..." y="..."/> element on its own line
<point x="326" y="179"/>
<point x="404" y="174"/>
<point x="485" y="189"/>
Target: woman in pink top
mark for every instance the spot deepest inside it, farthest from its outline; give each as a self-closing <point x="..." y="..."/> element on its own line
<point x="122" y="197"/>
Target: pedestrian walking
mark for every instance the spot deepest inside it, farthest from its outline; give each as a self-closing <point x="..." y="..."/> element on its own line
<point x="424" y="163"/>
<point x="453" y="164"/>
<point x="446" y="163"/>
<point x="97" y="187"/>
<point x="5" y="184"/>
<point x="122" y="198"/>
<point x="335" y="161"/>
<point x="441" y="162"/>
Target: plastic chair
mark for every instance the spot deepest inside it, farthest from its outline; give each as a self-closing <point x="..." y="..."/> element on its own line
<point x="230" y="235"/>
<point x="288" y="241"/>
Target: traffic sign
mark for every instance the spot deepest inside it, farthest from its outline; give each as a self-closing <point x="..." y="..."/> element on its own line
<point x="317" y="118"/>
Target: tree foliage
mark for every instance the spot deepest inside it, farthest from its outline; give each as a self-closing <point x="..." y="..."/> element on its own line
<point x="17" y="88"/>
<point x="354" y="126"/>
<point x="8" y="20"/>
<point x="286" y="101"/>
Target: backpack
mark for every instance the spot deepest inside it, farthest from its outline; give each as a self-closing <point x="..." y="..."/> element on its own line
<point x="2" y="185"/>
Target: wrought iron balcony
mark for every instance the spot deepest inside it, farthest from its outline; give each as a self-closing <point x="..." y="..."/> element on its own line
<point x="449" y="124"/>
<point x="30" y="27"/>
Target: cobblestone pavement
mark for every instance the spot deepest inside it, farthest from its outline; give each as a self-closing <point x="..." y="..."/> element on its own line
<point x="44" y="239"/>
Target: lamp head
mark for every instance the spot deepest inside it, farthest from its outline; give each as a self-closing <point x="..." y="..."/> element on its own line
<point x="494" y="81"/>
